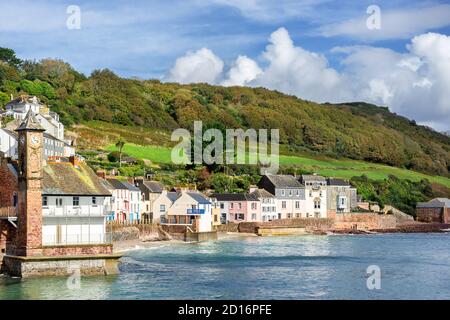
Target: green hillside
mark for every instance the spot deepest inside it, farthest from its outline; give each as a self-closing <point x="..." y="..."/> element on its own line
<point x="146" y="111"/>
<point x="345" y="169"/>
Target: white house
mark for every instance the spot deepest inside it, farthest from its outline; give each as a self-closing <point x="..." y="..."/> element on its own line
<point x="8" y="143"/>
<point x="19" y="107"/>
<point x="74" y="205"/>
<point x="315" y="196"/>
<point x="188" y="208"/>
<point x="267" y="203"/>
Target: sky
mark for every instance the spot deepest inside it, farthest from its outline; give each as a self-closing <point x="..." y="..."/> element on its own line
<point x="392" y="53"/>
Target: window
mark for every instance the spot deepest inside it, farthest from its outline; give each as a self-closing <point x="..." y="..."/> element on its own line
<point x="253" y="206"/>
<point x="283" y="192"/>
<point x="298" y="193"/>
<point x="316" y="204"/>
<point x="231" y="205"/>
<point x="94" y="200"/>
<point x="240" y="205"/>
<point x="297" y="204"/>
<point x="15" y="200"/>
<point x="44" y="201"/>
<point x="222" y="206"/>
<point x="162" y="208"/>
<point x="283" y="204"/>
<point x="310" y="193"/>
<point x="59" y="202"/>
<point x="76" y="201"/>
<point x="289" y="216"/>
<point x="239" y="216"/>
<point x="290" y="193"/>
<point x="254" y="216"/>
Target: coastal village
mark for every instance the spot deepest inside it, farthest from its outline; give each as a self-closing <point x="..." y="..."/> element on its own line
<point x="56" y="211"/>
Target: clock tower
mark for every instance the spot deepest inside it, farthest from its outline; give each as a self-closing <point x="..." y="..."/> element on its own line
<point x="29" y="240"/>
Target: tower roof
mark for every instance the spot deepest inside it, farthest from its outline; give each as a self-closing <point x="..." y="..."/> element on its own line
<point x="30" y="123"/>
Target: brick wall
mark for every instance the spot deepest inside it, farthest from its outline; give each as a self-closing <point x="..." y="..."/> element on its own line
<point x="76" y="250"/>
<point x="430" y="215"/>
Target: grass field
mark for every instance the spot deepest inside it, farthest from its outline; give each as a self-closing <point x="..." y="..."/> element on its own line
<point x="328" y="167"/>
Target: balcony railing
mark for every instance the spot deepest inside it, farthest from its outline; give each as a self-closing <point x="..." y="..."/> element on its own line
<point x="8" y="212"/>
<point x="195" y="211"/>
<point x="70" y="211"/>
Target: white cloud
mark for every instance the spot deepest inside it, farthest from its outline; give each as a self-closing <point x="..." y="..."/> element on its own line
<point x="199" y="66"/>
<point x="395" y="24"/>
<point x="414" y="84"/>
<point x="242" y="72"/>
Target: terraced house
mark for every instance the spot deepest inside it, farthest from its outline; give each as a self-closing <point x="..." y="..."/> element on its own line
<point x="239" y="207"/>
<point x="126" y="200"/>
<point x="289" y="195"/>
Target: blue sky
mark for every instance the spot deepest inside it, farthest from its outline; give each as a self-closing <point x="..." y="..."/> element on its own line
<point x="145" y="39"/>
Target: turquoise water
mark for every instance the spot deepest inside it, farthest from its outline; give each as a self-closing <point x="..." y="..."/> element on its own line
<point x="413" y="266"/>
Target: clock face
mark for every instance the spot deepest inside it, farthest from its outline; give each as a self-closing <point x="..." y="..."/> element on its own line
<point x="35" y="140"/>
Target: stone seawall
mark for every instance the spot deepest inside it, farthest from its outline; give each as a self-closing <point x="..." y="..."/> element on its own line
<point x="144" y="232"/>
<point x="347" y="221"/>
<point x="364" y="221"/>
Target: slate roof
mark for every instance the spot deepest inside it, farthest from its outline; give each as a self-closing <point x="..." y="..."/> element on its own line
<point x="234" y="197"/>
<point x="262" y="193"/>
<point x="62" y="178"/>
<point x="130" y="187"/>
<point x="116" y="184"/>
<point x="173" y="196"/>
<point x="435" y="203"/>
<point x="199" y="197"/>
<point x="337" y="182"/>
<point x="154" y="186"/>
<point x="122" y="185"/>
<point x="312" y="177"/>
<point x="284" y="181"/>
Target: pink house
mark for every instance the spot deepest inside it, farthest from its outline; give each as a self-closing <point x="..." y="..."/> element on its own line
<point x="238" y="207"/>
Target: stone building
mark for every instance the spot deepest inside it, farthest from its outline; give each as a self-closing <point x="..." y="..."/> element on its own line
<point x="436" y="210"/>
<point x="341" y="196"/>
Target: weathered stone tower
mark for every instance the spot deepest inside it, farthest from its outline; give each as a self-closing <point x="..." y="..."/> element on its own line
<point x="29" y="233"/>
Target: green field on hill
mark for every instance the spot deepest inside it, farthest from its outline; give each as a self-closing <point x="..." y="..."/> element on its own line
<point x="328" y="167"/>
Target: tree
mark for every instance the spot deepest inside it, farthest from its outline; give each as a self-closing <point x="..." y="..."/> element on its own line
<point x="9" y="56"/>
<point x="120" y="144"/>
